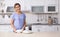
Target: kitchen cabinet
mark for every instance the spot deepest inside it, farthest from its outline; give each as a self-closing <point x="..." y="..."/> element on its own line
<point x="26" y="5"/>
<point x="58" y="28"/>
<point x="45" y="28"/>
<point x="46" y="4"/>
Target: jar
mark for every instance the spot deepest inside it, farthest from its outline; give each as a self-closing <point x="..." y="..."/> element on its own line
<point x="50" y="20"/>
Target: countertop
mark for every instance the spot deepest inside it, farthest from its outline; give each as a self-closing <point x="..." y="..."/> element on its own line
<point x="36" y="34"/>
<point x="34" y="24"/>
<point x="41" y="24"/>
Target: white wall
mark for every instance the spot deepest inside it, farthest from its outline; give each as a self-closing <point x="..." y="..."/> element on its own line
<point x="26" y="5"/>
<point x="45" y="3"/>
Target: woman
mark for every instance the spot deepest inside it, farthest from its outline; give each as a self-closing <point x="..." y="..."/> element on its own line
<point x="18" y="21"/>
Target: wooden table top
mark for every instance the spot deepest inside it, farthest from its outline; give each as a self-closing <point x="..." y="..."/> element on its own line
<point x="34" y="34"/>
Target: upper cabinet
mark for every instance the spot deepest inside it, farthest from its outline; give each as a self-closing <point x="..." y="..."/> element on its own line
<point x="35" y="6"/>
<point x="52" y="6"/>
<point x="48" y="6"/>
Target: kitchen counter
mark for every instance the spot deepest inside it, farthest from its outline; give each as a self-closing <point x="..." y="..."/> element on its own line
<point x="33" y="24"/>
<point x="36" y="34"/>
<point x="41" y="24"/>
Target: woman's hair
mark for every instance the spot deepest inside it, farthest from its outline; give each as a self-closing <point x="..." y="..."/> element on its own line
<point x="16" y="4"/>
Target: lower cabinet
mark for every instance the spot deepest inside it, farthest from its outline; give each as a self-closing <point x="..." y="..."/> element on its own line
<point x="45" y="28"/>
<point x="58" y="28"/>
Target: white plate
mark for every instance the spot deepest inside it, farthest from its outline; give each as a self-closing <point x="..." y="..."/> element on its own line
<point x="27" y="31"/>
<point x="18" y="31"/>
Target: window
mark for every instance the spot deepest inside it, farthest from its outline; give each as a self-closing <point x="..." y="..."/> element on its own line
<point x="37" y="8"/>
<point x="51" y="8"/>
<point x="10" y="9"/>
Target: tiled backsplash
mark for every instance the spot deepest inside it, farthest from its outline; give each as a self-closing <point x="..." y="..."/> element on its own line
<point x="30" y="18"/>
<point x="43" y="18"/>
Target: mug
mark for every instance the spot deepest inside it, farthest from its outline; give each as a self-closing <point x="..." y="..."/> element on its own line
<point x="27" y="28"/>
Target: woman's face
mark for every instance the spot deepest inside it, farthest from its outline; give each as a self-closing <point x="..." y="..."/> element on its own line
<point x="17" y="8"/>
